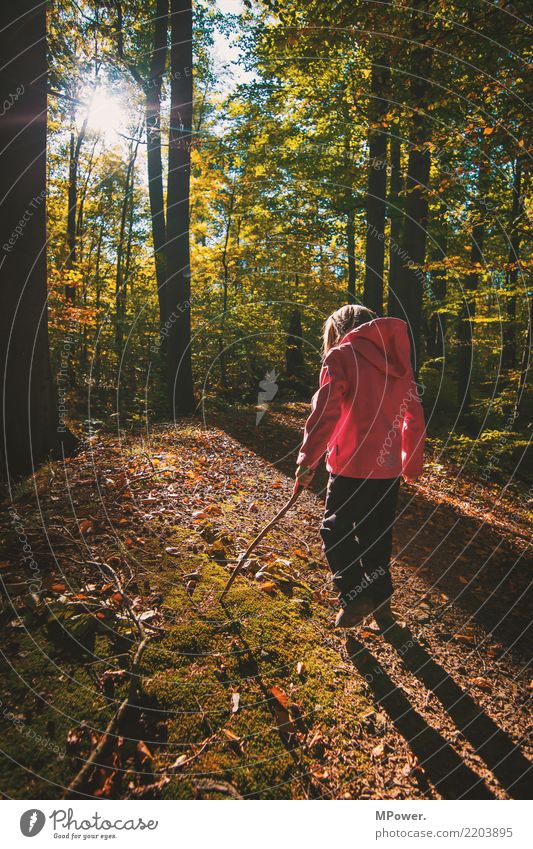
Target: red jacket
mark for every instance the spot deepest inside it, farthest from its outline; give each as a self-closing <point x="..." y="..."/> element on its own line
<point x="367" y="411"/>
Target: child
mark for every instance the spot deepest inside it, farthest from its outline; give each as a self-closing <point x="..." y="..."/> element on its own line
<point x="368" y="416"/>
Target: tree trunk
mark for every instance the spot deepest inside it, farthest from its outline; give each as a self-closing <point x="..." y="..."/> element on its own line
<point x="225" y="284"/>
<point x="348" y="203"/>
<point x="396" y="224"/>
<point x="180" y="383"/>
<point x="350" y="247"/>
<point x="294" y="357"/>
<point x="153" y="152"/>
<point x="413" y="253"/>
<point x="517" y="211"/>
<point x="31" y="425"/>
<point x="377" y="186"/>
<point x="76" y="142"/>
<point x="437" y="321"/>
<point x="120" y="277"/>
<point x="526" y="359"/>
<point x="465" y="328"/>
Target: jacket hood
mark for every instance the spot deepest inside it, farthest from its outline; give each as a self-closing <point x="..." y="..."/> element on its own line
<point x="384" y="342"/>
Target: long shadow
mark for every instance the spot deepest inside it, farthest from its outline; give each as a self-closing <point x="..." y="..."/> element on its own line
<point x="442" y="765"/>
<point x="502" y="757"/>
<point x="444" y="544"/>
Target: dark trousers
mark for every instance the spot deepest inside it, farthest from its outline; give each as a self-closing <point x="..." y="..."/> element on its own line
<point x="357" y="535"/>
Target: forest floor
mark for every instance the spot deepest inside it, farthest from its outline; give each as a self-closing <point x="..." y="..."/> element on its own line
<point x="129" y="544"/>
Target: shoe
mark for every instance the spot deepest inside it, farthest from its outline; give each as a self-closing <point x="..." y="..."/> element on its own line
<point x="354" y="613"/>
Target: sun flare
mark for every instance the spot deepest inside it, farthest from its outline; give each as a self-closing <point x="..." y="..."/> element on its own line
<point x="107" y="114"/>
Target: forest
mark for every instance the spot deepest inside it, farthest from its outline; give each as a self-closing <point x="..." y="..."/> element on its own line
<point x="188" y="190"/>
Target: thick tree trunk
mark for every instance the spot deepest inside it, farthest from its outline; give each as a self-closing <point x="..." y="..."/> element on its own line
<point x="180" y="383"/>
<point x="377" y="187"/>
<point x="153" y="152"/>
<point x="30" y="420"/>
<point x="413" y="253"/>
<point x="517" y="211"/>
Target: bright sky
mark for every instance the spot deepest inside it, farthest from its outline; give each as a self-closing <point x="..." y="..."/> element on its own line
<point x="226" y="51"/>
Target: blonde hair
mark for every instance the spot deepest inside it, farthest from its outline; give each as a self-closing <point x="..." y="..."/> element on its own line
<point x="341" y="322"/>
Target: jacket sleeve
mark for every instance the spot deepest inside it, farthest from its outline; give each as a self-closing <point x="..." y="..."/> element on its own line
<point x="325" y="411"/>
<point x="413" y="435"/>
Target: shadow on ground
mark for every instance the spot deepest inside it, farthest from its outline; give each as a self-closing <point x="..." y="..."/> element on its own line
<point x="467" y="559"/>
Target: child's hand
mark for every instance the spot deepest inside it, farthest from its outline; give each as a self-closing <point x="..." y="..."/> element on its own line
<point x="304" y="476"/>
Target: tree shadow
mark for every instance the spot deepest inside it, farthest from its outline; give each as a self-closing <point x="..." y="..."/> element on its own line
<point x="501" y="755"/>
<point x="441" y="764"/>
<point x="464" y="557"/>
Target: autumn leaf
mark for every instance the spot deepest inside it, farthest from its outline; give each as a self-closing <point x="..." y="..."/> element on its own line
<point x="280" y="705"/>
<point x="482" y="683"/>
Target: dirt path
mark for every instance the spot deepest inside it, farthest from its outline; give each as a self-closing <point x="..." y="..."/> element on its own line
<point x="259" y="698"/>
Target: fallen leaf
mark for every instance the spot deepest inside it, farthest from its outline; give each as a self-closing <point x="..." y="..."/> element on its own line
<point x="378" y="750"/>
<point x="148" y="615"/>
<point x="467" y="639"/>
<point x="267" y="586"/>
<point x="144" y="752"/>
<point x="367" y="632"/>
<point x="482" y="683"/>
<point x="179" y="761"/>
<point x="281" y="710"/>
<point x="234" y="741"/>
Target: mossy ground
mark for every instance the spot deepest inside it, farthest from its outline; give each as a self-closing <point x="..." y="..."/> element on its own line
<point x="207" y="675"/>
<point x="255" y="697"/>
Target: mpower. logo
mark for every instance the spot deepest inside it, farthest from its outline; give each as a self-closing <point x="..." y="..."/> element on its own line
<point x="32" y="822"/>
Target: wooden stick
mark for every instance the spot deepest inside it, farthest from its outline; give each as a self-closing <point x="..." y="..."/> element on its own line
<point x="258" y="539"/>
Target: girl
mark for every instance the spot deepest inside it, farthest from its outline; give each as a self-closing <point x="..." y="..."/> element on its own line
<point x="368" y="416"/>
